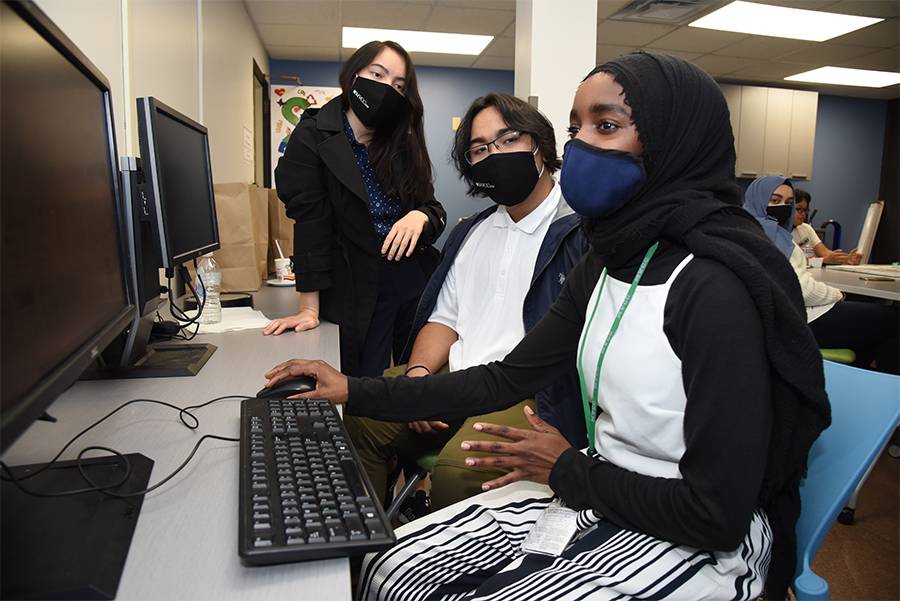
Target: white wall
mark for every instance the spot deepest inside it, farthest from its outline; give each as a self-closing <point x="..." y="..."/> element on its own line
<point x="151" y="48"/>
<point x="228" y="53"/>
<point x="95" y="26"/>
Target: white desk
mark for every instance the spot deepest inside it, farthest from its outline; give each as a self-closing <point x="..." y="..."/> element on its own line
<point x="185" y="544"/>
<point x="852" y="284"/>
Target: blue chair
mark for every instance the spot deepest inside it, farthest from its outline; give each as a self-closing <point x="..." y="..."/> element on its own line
<point x="865" y="409"/>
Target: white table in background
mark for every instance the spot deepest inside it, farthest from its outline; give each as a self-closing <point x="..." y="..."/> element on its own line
<point x="185" y="544"/>
<point x="851" y="283"/>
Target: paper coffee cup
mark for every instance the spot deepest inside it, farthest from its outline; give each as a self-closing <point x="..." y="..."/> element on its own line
<point x="282" y="268"/>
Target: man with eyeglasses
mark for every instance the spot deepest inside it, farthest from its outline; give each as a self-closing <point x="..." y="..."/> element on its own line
<point x="500" y="272"/>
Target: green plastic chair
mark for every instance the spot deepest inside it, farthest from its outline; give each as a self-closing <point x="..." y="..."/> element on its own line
<point x="424" y="466"/>
<point x="839" y="355"/>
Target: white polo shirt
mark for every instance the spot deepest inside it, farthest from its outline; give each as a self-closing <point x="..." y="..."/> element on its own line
<point x="484" y="291"/>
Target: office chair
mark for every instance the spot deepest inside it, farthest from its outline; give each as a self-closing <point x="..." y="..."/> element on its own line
<point x="865" y="409"/>
<point x="836" y="236"/>
<point x="424" y="465"/>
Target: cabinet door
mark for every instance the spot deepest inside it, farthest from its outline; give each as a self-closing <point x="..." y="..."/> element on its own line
<point x="804" y="110"/>
<point x="732" y="95"/>
<point x="752" y="131"/>
<point x="779" y="104"/>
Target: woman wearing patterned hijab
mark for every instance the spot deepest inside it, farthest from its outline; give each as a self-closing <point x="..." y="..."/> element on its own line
<point x="702" y="386"/>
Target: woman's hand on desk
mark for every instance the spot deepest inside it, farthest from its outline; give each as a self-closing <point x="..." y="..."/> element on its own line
<point x="330" y="383"/>
<point x="306" y="319"/>
<point x="404" y="236"/>
<point x="531" y="454"/>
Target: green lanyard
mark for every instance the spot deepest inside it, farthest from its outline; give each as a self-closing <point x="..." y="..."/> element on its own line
<point x="590" y="403"/>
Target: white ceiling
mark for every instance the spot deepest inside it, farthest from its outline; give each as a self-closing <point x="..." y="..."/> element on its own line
<point x="311" y="30"/>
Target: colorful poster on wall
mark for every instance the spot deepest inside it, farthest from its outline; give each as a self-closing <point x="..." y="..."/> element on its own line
<point x="288" y="103"/>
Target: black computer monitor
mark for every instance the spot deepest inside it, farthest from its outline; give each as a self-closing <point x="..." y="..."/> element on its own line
<point x="64" y="296"/>
<point x="170" y="218"/>
<point x="177" y="171"/>
<point x="64" y="275"/>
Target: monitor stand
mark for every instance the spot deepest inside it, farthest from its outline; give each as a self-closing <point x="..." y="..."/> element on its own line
<point x="69" y="547"/>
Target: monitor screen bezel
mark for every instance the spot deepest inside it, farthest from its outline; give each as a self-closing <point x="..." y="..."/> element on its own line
<point x="148" y="111"/>
<point x="17" y="419"/>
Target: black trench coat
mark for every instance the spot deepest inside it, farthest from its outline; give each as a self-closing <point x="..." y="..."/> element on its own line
<point x="336" y="250"/>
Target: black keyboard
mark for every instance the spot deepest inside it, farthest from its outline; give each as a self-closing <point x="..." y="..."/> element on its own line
<point x="303" y="492"/>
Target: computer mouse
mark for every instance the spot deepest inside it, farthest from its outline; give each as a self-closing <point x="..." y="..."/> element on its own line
<point x="287" y="388"/>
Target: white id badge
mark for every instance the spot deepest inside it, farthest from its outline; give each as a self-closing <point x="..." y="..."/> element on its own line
<point x="552" y="532"/>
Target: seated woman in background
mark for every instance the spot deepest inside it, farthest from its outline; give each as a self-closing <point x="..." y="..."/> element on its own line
<point x="806" y="238"/>
<point x="869" y="329"/>
<point x="701" y="401"/>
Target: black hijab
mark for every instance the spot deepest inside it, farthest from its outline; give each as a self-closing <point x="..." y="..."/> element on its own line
<point x="691" y="199"/>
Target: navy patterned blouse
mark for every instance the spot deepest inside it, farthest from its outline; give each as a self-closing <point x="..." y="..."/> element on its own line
<point x="385" y="210"/>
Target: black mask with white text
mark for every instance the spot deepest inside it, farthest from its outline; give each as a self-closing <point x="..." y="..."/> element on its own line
<point x="508" y="178"/>
<point x="377" y="104"/>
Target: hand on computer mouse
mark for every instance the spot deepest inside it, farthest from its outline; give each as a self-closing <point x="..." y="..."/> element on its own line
<point x="330" y="383"/>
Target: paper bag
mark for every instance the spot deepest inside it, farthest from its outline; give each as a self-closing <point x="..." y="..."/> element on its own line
<point x="281" y="228"/>
<point x="243" y="234"/>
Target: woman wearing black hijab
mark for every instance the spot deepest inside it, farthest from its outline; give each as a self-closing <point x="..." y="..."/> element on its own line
<point x="710" y="395"/>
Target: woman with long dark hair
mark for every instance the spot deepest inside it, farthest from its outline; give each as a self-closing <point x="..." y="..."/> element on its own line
<point x="356" y="178"/>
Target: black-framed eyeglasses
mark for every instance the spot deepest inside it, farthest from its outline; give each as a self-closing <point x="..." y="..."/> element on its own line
<point x="508" y="141"/>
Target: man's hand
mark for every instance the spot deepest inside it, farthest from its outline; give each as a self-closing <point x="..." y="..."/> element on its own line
<point x="330" y="383"/>
<point x="531" y="454"/>
<point x="427" y="427"/>
<point x="306" y="319"/>
<point x="404" y="236"/>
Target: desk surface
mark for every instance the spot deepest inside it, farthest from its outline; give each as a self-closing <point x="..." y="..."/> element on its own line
<point x="185" y="545"/>
<point x="851" y="283"/>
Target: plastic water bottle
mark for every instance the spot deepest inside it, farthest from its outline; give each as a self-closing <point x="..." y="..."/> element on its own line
<point x="212" y="284"/>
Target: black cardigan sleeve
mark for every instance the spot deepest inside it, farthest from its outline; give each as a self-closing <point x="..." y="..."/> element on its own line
<point x="437" y="219"/>
<point x="714" y="328"/>
<point x="300" y="181"/>
<point x="545" y="353"/>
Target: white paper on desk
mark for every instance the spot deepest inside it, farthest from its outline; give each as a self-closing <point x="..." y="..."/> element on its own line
<point x="236" y="318"/>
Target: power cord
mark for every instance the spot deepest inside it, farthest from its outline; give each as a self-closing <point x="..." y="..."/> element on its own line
<point x="177" y="312"/>
<point x="9" y="476"/>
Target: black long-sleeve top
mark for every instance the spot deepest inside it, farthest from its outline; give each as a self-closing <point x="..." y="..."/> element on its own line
<point x="714" y="329"/>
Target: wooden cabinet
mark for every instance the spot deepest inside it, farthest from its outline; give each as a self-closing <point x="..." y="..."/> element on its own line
<point x="774" y="130"/>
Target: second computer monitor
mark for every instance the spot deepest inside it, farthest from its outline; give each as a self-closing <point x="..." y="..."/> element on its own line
<point x="176" y="164"/>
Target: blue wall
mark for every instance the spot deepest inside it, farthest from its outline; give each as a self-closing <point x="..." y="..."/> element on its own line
<point x="446" y="93"/>
<point x="846" y="168"/>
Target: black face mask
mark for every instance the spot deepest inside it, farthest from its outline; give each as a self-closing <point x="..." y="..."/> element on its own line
<point x="507" y="178"/>
<point x="782" y="214"/>
<point x="376" y="104"/>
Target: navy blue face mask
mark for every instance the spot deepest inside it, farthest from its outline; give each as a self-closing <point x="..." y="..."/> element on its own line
<point x="595" y="182"/>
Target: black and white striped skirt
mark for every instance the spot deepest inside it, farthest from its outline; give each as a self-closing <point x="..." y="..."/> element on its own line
<point x="472" y="550"/>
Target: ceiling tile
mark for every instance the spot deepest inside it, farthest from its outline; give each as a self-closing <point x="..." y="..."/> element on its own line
<point x="510" y="32"/>
<point x="825" y="54"/>
<point x="693" y="39"/>
<point x="307" y="12"/>
<point x="630" y="33"/>
<point x="385" y="15"/>
<point x="881" y="35"/>
<point x="503" y="47"/>
<point x="495" y="62"/>
<point x="299" y="35"/>
<point x="490" y="4"/>
<point x="867" y="8"/>
<point x="606" y="8"/>
<point x="771" y="71"/>
<point x="688" y="56"/>
<point x="469" y="20"/>
<point x="721" y="65"/>
<point x="605" y="52"/>
<point x="308" y="53"/>
<point x="880" y="60"/>
<point x="435" y="59"/>
<point x="764" y="47"/>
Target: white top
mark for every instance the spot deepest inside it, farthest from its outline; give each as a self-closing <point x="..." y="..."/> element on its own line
<point x="805" y="235"/>
<point x="819" y="298"/>
<point x="641" y="386"/>
<point x="483" y="293"/>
